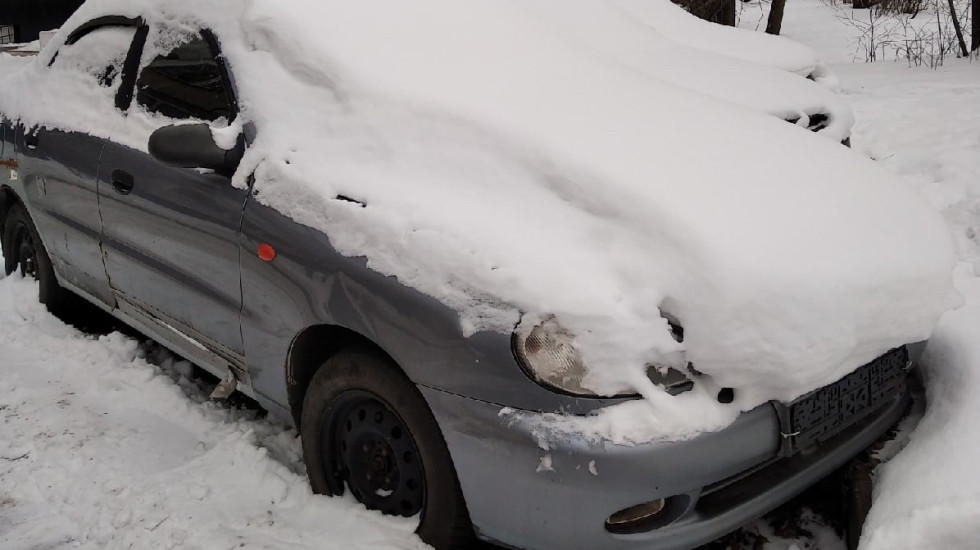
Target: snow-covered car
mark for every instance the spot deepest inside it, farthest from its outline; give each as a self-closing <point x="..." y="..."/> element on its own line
<point x="514" y="291"/>
<point x="608" y="29"/>
<point x="765" y="49"/>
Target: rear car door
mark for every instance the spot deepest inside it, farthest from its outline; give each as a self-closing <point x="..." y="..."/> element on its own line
<point x="58" y="168"/>
<point x="171" y="234"/>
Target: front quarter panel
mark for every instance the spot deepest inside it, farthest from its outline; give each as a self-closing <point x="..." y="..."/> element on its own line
<point x="4" y="160"/>
<point x="309" y="283"/>
<point x="8" y="152"/>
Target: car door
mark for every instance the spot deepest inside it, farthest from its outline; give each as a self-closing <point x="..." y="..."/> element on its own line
<point x="58" y="166"/>
<point x="171" y="234"/>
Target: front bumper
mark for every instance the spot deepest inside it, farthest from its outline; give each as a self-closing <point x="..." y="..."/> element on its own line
<point x="714" y="483"/>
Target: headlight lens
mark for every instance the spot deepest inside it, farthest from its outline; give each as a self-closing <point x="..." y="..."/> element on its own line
<point x="548" y="355"/>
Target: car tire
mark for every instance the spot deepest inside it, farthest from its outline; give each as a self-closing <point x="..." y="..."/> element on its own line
<point x="366" y="427"/>
<point x="24" y="251"/>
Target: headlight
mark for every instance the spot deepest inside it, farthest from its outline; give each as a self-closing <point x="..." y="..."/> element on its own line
<point x="547" y="354"/>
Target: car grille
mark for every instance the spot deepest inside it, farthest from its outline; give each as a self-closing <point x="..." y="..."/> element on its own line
<point x="821" y="414"/>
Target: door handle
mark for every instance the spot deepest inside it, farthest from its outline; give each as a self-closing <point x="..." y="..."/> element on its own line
<point x="31" y="140"/>
<point x="122" y="182"/>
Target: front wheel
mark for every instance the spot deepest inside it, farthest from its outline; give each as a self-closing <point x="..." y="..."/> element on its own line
<point x="366" y="427"/>
<point x="23" y="251"/>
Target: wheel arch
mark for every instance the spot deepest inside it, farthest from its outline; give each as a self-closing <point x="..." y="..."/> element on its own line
<point x="309" y="350"/>
<point x="7" y="200"/>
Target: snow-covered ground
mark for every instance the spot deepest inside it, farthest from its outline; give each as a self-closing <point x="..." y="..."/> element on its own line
<point x="107" y="443"/>
<point x="100" y="449"/>
<point x="925" y="125"/>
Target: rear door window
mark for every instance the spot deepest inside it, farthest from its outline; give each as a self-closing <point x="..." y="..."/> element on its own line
<point x="93" y="65"/>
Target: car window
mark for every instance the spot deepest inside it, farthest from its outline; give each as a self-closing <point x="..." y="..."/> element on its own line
<point x="185" y="83"/>
<point x="96" y="58"/>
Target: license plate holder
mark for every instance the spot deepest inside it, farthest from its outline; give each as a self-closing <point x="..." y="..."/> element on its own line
<point x="825" y="412"/>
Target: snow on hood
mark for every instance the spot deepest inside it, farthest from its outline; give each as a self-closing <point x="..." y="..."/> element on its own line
<point x="766" y="49"/>
<point x="506" y="168"/>
<point x="611" y="30"/>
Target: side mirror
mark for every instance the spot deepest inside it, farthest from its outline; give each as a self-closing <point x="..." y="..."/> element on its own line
<point x="192" y="146"/>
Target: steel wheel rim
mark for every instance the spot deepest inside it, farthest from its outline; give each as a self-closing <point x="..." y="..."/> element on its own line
<point x="374" y="454"/>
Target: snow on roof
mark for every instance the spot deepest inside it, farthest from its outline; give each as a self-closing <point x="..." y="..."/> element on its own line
<point x="508" y="169"/>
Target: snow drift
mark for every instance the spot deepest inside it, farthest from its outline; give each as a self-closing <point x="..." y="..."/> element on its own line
<point x="766" y="49"/>
<point x="913" y="506"/>
<point x="612" y="30"/>
<point x="507" y="169"/>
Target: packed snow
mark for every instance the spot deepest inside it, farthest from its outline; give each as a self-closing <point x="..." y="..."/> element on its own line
<point x="9" y="63"/>
<point x="786" y="272"/>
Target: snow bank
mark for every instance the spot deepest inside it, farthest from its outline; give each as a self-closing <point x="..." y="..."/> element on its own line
<point x="101" y="450"/>
<point x="612" y="31"/>
<point x="809" y="22"/>
<point x="922" y="124"/>
<point x="10" y="63"/>
<point x="929" y="495"/>
<point x="506" y="169"/>
<point x="774" y="51"/>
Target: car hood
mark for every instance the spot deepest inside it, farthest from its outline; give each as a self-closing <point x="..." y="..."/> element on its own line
<point x="562" y="172"/>
<point x="504" y="169"/>
<point x="610" y="30"/>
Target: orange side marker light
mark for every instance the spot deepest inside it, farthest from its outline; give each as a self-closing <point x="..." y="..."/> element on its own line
<point x="266" y="252"/>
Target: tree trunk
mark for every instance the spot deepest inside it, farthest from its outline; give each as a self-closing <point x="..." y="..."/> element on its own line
<point x="975" y="32"/>
<point x="716" y="11"/>
<point x="959" y="30"/>
<point x="775" y="23"/>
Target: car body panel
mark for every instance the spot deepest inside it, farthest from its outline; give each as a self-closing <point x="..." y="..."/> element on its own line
<point x="171" y="245"/>
<point x="310" y="284"/>
<point x="562" y="502"/>
<point x="59" y="168"/>
<point x="10" y="162"/>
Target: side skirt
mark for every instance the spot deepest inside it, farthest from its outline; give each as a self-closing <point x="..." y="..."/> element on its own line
<point x="175" y="340"/>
